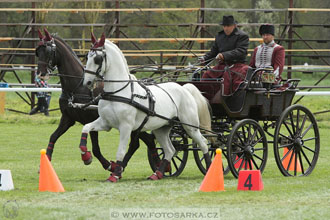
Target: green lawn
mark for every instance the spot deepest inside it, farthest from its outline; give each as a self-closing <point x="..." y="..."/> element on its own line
<point x="87" y="196"/>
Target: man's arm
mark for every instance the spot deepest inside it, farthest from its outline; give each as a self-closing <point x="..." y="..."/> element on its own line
<point x="213" y="52"/>
<point x="279" y="60"/>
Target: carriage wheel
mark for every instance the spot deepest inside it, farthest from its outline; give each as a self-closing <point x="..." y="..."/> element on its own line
<point x="296" y="141"/>
<point x="200" y="161"/>
<point x="247" y="147"/>
<point x="179" y="160"/>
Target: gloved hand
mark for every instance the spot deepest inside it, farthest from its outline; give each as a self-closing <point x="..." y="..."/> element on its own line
<point x="201" y="59"/>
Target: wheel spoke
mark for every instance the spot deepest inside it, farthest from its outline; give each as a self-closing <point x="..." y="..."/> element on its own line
<point x="258" y="141"/>
<point x="302" y="124"/>
<point x="175" y="165"/>
<point x="285" y="145"/>
<point x="258" y="157"/>
<point x="309" y="139"/>
<point x="238" y="158"/>
<point x="313" y="151"/>
<point x="245" y="164"/>
<point x="292" y="123"/>
<point x="286" y="154"/>
<point x="288" y="129"/>
<point x="257" y="149"/>
<point x="235" y="144"/>
<point x="301" y="163"/>
<point x="255" y="164"/>
<point x="309" y="127"/>
<point x="298" y="116"/>
<point x="295" y="164"/>
<point x="237" y="152"/>
<point x="254" y="134"/>
<point x="250" y="164"/>
<point x="290" y="161"/>
<point x="177" y="157"/>
<point x="306" y="158"/>
<point x="202" y="158"/>
<point x="239" y="137"/>
<point x="289" y="138"/>
<point x="241" y="165"/>
<point x="249" y="133"/>
<point x="244" y="132"/>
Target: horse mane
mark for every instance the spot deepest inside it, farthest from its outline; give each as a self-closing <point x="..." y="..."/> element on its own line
<point x="109" y="43"/>
<point x="69" y="48"/>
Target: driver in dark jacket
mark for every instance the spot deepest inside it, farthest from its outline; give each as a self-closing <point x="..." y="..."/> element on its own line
<point x="230" y="50"/>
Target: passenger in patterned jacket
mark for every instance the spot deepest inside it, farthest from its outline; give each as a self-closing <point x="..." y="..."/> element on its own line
<point x="230" y="50"/>
<point x="269" y="54"/>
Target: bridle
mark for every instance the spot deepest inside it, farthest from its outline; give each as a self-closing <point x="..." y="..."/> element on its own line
<point x="50" y="54"/>
<point x="98" y="60"/>
<point x="50" y="57"/>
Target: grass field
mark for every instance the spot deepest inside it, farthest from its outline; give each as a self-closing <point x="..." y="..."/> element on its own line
<point x="88" y="196"/>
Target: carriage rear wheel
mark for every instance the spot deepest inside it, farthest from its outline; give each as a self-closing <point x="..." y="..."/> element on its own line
<point x="247" y="147"/>
<point x="200" y="161"/>
<point x="296" y="141"/>
<point x="179" y="160"/>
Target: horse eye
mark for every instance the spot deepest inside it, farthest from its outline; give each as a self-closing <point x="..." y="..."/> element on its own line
<point x="98" y="59"/>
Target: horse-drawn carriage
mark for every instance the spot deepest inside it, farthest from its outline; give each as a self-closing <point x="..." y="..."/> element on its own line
<point x="240" y="122"/>
<point x="257" y="111"/>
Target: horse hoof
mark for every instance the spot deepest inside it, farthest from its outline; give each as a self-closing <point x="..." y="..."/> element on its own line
<point x="87" y="158"/>
<point x="113" y="178"/>
<point x="156" y="176"/>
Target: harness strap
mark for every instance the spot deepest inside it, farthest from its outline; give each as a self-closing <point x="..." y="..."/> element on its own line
<point x="149" y="111"/>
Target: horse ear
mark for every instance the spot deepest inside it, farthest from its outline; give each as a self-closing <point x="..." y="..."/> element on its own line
<point x="102" y="40"/>
<point x="93" y="38"/>
<point x="40" y="34"/>
<point x="48" y="37"/>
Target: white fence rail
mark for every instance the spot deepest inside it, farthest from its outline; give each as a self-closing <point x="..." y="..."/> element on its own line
<point x="319" y="93"/>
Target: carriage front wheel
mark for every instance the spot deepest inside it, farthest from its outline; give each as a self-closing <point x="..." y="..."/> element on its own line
<point x="247" y="147"/>
<point x="296" y="141"/>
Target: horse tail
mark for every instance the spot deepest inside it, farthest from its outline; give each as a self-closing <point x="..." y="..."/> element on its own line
<point x="204" y="109"/>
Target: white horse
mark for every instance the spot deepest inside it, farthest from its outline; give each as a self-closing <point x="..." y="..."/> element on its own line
<point x="142" y="107"/>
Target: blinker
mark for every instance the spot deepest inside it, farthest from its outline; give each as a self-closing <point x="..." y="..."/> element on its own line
<point x="98" y="59"/>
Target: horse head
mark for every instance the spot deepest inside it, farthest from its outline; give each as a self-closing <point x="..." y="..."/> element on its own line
<point x="46" y="53"/>
<point x="95" y="58"/>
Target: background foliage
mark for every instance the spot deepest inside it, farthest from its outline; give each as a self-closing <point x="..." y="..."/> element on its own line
<point x="169" y="18"/>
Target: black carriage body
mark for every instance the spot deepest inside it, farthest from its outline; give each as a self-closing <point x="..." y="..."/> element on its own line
<point x="254" y="103"/>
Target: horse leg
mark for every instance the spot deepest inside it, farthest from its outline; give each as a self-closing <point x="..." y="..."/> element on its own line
<point x="96" y="151"/>
<point x="65" y="124"/>
<point x="148" y="139"/>
<point x="97" y="125"/>
<point x="125" y="133"/>
<point x="133" y="146"/>
<point x="201" y="141"/>
<point x="162" y="136"/>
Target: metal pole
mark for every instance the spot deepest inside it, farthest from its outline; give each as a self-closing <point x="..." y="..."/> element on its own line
<point x="117" y="17"/>
<point x="33" y="57"/>
<point x="290" y="39"/>
<point x="202" y="16"/>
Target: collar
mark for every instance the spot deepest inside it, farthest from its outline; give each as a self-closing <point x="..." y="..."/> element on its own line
<point x="271" y="44"/>
<point x="235" y="32"/>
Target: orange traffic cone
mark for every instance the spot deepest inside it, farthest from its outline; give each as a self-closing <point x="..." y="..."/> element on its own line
<point x="213" y="180"/>
<point x="48" y="180"/>
<point x="286" y="161"/>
